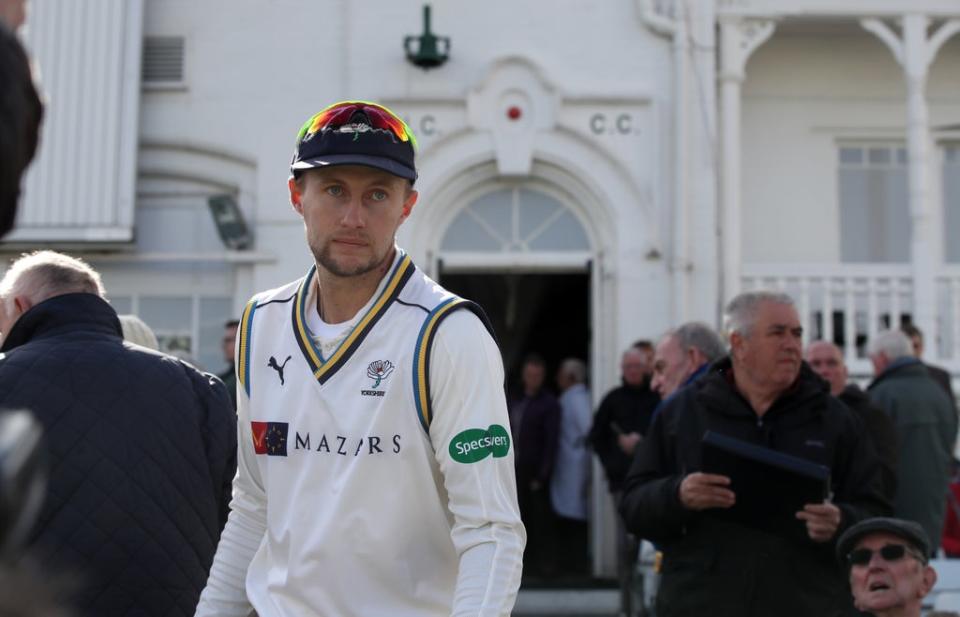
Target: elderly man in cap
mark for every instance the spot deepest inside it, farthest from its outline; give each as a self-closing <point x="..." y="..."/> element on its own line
<point x="888" y="566"/>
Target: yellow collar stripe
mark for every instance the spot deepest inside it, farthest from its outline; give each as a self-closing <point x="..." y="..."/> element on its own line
<point x="322" y="368"/>
<point x="299" y="308"/>
<point x="361" y="329"/>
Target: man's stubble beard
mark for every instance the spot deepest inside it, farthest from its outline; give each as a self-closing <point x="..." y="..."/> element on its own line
<point x="325" y="259"/>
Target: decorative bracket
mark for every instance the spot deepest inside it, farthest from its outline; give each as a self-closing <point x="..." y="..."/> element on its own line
<point x="914" y="50"/>
<point x="740" y="37"/>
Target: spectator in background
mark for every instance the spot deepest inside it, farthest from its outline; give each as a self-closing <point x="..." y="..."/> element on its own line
<point x="136" y="331"/>
<point x="229" y="344"/>
<point x="683" y="355"/>
<point x="141" y="446"/>
<point x="941" y="376"/>
<point x="624" y="415"/>
<point x="618" y="426"/>
<point x="888" y="564"/>
<point x="20" y="115"/>
<point x="926" y="426"/>
<point x="13" y="13"/>
<point x="535" y="424"/>
<point x="569" y="484"/>
<point x="728" y="563"/>
<point x="826" y="360"/>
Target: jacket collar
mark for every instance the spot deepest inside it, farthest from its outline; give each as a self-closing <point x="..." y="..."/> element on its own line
<point x="717" y="389"/>
<point x="68" y="312"/>
<point x="905" y="365"/>
<point x="701" y="370"/>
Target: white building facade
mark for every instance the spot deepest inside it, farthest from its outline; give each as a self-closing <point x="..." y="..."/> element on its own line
<point x="595" y="172"/>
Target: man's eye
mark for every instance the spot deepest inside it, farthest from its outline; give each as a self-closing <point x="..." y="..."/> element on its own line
<point x="335" y="191"/>
<point x="378" y="195"/>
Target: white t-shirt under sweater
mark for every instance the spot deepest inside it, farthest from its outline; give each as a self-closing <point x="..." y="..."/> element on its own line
<point x="373" y="480"/>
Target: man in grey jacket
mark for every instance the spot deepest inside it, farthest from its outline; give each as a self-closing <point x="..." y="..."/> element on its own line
<point x="926" y="426"/>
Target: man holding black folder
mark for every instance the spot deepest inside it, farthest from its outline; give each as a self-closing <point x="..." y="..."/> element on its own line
<point x="747" y="520"/>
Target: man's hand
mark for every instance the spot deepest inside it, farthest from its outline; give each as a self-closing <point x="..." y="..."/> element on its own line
<point x="700" y="491"/>
<point x="628" y="442"/>
<point x="823" y="520"/>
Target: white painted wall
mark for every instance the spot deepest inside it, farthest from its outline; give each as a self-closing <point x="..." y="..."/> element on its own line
<point x="805" y="92"/>
<point x="255" y="71"/>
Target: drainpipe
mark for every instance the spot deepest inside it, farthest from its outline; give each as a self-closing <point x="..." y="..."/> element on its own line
<point x="680" y="262"/>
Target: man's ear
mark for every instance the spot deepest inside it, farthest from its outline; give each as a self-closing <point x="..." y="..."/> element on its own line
<point x="929" y="580"/>
<point x="408" y="204"/>
<point x="296" y="197"/>
<point x="696" y="357"/>
<point x="736" y="343"/>
<point x="23" y="304"/>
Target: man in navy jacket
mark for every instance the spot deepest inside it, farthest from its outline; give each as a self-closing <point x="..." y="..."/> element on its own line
<point x="141" y="446"/>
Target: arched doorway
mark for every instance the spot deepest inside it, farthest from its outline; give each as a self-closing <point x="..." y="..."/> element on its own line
<point x="523" y="255"/>
<point x="531" y="251"/>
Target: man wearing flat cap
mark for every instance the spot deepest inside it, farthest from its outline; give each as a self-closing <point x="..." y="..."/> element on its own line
<point x="888" y="566"/>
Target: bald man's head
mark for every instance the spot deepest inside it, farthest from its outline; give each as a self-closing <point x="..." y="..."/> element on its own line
<point x="826" y="360"/>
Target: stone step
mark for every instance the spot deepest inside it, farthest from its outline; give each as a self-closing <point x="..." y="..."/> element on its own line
<point x="571" y="602"/>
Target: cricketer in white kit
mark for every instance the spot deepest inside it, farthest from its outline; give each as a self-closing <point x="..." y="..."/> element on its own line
<point x="375" y="468"/>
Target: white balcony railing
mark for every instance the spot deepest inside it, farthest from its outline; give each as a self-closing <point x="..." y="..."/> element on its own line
<point x="850" y="303"/>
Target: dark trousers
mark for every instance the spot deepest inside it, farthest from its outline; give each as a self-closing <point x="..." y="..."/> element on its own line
<point x="572" y="554"/>
<point x="539" y="557"/>
<point x="628" y="551"/>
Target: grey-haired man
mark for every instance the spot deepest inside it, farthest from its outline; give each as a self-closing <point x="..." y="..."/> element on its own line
<point x="926" y="427"/>
<point x="715" y="563"/>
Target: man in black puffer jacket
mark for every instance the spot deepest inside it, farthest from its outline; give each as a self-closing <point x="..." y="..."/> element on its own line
<point x="781" y="563"/>
<point x="141" y="446"/>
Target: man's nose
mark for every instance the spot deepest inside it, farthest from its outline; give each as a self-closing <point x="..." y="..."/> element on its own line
<point x="876" y="561"/>
<point x="353" y="214"/>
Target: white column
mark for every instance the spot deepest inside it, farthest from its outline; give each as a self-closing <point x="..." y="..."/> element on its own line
<point x="703" y="180"/>
<point x="739" y="37"/>
<point x="915" y="52"/>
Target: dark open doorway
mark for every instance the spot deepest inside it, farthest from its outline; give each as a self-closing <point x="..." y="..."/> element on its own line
<point x="544" y="313"/>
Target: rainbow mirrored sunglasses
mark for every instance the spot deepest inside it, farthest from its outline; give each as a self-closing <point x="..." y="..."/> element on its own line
<point x="339" y="114"/>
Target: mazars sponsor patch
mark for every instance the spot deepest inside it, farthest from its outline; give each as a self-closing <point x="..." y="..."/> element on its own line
<point x="476" y="444"/>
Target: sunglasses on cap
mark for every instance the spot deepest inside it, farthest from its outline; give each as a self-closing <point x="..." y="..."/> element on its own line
<point x="889" y="552"/>
<point x="340" y="115"/>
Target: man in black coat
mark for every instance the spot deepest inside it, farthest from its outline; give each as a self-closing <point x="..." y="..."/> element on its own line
<point x="720" y="560"/>
<point x="624" y="415"/>
<point x="826" y="360"/>
<point x="141" y="446"/>
<point x="535" y="424"/>
<point x="618" y="426"/>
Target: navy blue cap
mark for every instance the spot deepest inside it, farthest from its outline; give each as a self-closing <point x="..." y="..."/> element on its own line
<point x="363" y="136"/>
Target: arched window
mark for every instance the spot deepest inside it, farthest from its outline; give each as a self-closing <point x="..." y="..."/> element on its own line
<point x="515" y="220"/>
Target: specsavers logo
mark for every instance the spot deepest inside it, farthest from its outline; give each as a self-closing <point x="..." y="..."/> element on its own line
<point x="476" y="444"/>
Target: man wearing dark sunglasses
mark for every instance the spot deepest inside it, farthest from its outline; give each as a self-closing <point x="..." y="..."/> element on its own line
<point x="375" y="468"/>
<point x="888" y="566"/>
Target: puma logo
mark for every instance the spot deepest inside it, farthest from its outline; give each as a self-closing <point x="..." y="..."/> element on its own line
<point x="278" y="367"/>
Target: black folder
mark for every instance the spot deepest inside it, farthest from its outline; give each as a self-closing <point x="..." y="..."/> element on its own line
<point x="771" y="487"/>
